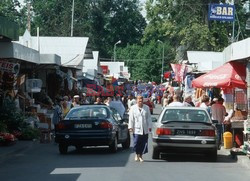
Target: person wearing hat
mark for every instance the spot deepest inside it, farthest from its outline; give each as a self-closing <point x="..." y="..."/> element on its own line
<point x="76" y="101"/>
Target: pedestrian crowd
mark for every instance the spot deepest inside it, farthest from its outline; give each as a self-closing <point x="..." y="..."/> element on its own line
<point x="131" y="101"/>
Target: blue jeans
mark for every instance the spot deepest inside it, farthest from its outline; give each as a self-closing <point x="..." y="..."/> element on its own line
<point x="220" y="131"/>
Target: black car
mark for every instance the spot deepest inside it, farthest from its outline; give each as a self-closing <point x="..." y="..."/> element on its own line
<point x="92" y="125"/>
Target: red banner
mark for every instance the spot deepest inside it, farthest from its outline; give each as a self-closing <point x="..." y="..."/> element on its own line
<point x="180" y="71"/>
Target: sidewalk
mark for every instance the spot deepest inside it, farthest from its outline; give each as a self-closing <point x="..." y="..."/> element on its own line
<point x="240" y="158"/>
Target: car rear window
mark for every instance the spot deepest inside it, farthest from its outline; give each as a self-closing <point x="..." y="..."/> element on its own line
<point x="185" y="115"/>
<point x="87" y="112"/>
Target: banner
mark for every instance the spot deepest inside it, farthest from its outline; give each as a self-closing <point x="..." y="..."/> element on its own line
<point x="180" y="71"/>
<point x="221" y="12"/>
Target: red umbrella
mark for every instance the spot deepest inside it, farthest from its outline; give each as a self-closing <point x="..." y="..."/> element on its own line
<point x="229" y="75"/>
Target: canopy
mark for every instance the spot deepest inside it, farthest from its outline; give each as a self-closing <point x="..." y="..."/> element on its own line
<point x="229" y="75"/>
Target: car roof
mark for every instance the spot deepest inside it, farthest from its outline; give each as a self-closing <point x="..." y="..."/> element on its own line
<point x="186" y="107"/>
<point x="91" y="105"/>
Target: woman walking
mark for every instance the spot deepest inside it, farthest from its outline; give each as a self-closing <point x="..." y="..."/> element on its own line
<point x="140" y="125"/>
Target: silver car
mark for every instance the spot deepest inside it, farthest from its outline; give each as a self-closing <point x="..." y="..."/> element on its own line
<point x="184" y="129"/>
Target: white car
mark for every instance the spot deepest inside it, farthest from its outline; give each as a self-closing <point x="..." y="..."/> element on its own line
<point x="184" y="129"/>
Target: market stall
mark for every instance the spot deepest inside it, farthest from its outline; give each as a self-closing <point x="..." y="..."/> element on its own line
<point x="230" y="79"/>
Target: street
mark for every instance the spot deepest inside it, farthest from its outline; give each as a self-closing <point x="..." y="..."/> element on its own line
<point x="43" y="162"/>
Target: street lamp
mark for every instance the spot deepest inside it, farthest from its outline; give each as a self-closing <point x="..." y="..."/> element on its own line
<point x="115" y="49"/>
<point x="162" y="60"/>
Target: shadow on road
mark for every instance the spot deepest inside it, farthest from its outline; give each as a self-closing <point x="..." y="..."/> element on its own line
<point x="193" y="158"/>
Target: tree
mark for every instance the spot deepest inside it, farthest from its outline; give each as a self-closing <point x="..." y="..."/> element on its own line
<point x="185" y="25"/>
<point x="8" y="9"/>
<point x="145" y="61"/>
<point x="104" y="22"/>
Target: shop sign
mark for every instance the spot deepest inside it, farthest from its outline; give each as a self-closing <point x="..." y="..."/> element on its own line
<point x="221" y="12"/>
<point x="34" y="85"/>
<point x="9" y="67"/>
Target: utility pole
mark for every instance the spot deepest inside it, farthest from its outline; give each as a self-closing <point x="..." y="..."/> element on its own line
<point x="28" y="18"/>
<point x="72" y="18"/>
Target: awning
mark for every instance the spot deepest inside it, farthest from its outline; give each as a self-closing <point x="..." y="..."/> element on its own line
<point x="229" y="75"/>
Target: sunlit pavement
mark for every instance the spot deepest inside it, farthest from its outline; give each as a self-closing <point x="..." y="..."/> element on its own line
<point x="38" y="161"/>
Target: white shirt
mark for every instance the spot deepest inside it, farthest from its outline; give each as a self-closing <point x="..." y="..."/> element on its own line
<point x="176" y="104"/>
<point x="140" y="120"/>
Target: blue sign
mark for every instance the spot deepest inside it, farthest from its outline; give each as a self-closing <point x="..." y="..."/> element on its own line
<point x="221" y="12"/>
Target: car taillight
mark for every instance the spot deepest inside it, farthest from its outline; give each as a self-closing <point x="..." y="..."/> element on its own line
<point x="207" y="133"/>
<point x="163" y="131"/>
<point x="106" y="125"/>
<point x="61" y="126"/>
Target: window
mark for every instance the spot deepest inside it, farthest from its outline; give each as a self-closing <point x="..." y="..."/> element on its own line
<point x="90" y="112"/>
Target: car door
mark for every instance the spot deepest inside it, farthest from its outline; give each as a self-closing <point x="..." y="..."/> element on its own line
<point x="122" y="126"/>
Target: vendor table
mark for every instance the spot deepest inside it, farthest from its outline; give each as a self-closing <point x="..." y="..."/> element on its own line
<point x="236" y="124"/>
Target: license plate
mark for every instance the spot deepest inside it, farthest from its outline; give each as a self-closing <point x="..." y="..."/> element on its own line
<point x="185" y="132"/>
<point x="83" y="126"/>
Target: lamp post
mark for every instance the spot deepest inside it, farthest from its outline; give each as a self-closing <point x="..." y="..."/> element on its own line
<point x="115" y="49"/>
<point x="162" y="62"/>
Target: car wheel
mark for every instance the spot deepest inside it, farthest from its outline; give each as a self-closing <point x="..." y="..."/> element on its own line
<point x="213" y="155"/>
<point x="63" y="149"/>
<point x="126" y="144"/>
<point x="156" y="153"/>
<point x="114" y="146"/>
<point x="78" y="148"/>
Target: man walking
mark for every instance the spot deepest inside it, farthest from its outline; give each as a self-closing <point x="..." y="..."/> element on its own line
<point x="140" y="125"/>
<point x="218" y="112"/>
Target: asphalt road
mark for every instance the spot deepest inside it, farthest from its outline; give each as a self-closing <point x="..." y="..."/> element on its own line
<point x="43" y="162"/>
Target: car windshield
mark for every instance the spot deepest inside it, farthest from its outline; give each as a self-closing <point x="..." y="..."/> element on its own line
<point x="88" y="112"/>
<point x="189" y="115"/>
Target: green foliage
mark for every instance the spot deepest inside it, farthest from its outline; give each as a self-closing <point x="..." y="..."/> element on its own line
<point x="29" y="133"/>
<point x="10" y="118"/>
<point x="145" y="62"/>
<point x="185" y="23"/>
<point x="104" y="22"/>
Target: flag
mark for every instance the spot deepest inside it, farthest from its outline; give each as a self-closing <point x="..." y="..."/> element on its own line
<point x="180" y="71"/>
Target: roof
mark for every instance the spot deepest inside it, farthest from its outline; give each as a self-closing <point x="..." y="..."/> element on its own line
<point x="205" y="60"/>
<point x="17" y="51"/>
<point x="72" y="50"/>
<point x="50" y="59"/>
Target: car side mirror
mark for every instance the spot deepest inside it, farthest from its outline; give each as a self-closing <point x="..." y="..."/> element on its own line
<point x="154" y="120"/>
<point x="215" y="121"/>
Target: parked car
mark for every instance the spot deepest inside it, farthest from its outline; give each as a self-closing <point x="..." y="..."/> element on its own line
<point x="149" y="103"/>
<point x="92" y="125"/>
<point x="184" y="129"/>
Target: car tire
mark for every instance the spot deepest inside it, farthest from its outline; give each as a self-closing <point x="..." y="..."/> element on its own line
<point x="213" y="155"/>
<point x="156" y="153"/>
<point x="114" y="146"/>
<point x="126" y="144"/>
<point x="63" y="149"/>
<point x="78" y="148"/>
